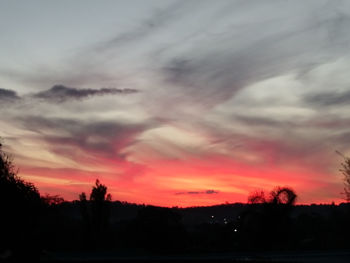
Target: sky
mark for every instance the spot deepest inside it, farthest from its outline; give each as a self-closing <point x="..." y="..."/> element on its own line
<point x="177" y="103"/>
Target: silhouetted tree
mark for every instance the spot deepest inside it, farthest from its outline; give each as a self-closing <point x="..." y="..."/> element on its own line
<point x="20" y="205"/>
<point x="279" y="195"/>
<point x="283" y="196"/>
<point x="266" y="224"/>
<point x="346" y="172"/>
<point x="96" y="214"/>
<point x="52" y="199"/>
<point x="257" y="197"/>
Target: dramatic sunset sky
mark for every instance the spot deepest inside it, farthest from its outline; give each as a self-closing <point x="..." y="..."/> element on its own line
<point x="177" y="102"/>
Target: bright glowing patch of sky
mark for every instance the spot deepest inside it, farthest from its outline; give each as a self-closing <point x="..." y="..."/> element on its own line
<point x="177" y="102"/>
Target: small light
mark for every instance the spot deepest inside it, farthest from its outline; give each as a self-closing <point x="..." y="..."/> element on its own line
<point x="235" y="230"/>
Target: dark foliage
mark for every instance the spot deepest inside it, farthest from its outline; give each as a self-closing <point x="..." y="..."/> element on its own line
<point x="52" y="199"/>
<point x="96" y="215"/>
<point x="267" y="223"/>
<point x="345" y="170"/>
<point x="157" y="229"/>
<point x="20" y="206"/>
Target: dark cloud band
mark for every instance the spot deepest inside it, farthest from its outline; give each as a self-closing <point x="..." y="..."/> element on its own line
<point x="329" y="98"/>
<point x="60" y="93"/>
<point x="6" y="95"/>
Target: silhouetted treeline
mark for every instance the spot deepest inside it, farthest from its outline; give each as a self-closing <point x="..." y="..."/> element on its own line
<point x="231" y="227"/>
<point x="31" y="224"/>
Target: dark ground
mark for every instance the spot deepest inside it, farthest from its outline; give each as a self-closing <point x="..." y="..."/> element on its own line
<point x="310" y="256"/>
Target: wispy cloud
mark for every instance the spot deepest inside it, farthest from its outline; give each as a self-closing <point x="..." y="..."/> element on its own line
<point x="107" y="138"/>
<point x="160" y="18"/>
<point x="204" y="70"/>
<point x="208" y="192"/>
<point x="60" y="93"/>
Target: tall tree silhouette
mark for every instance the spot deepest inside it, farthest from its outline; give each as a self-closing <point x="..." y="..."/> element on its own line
<point x="346" y="172"/>
<point x="20" y="205"/>
<point x="96" y="214"/>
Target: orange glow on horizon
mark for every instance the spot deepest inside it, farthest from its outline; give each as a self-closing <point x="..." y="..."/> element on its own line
<point x="181" y="183"/>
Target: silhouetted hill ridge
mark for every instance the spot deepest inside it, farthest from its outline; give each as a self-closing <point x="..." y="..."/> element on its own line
<point x="121" y="211"/>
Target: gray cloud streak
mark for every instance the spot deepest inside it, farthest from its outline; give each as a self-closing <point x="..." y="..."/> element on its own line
<point x="160" y="19"/>
<point x="60" y="93"/>
<point x="328" y="98"/>
<point x="208" y="192"/>
<point x="99" y="137"/>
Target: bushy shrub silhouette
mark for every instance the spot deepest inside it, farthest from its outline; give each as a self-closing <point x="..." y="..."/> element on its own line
<point x="266" y="223"/>
<point x="51" y="200"/>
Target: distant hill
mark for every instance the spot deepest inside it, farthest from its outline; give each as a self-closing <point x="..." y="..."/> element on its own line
<point x="220" y="214"/>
